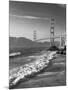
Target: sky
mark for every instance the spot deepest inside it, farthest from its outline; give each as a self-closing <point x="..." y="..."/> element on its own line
<point x="25" y="17"/>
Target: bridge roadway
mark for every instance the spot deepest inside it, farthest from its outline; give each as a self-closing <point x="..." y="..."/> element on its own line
<point x="55" y="37"/>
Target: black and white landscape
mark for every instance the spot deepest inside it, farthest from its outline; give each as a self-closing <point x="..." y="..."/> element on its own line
<point x="37" y="44"/>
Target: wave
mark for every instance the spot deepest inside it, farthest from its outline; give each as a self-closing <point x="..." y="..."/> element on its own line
<point x="14" y="54"/>
<point x="22" y="72"/>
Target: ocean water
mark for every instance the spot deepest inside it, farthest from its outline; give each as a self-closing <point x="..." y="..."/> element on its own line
<point x="54" y="75"/>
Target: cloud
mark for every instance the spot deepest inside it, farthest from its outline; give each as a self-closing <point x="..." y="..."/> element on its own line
<point x="30" y="17"/>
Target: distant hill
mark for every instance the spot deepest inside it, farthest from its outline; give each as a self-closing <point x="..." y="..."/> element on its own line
<point x="25" y="43"/>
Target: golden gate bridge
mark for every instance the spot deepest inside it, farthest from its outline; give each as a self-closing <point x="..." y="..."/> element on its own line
<point x="52" y="38"/>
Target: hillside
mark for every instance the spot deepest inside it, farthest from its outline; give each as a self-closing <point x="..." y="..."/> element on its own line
<point x="25" y="43"/>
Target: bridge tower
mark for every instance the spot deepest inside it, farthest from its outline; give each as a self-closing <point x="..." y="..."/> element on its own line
<point x="34" y="35"/>
<point x="52" y="32"/>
